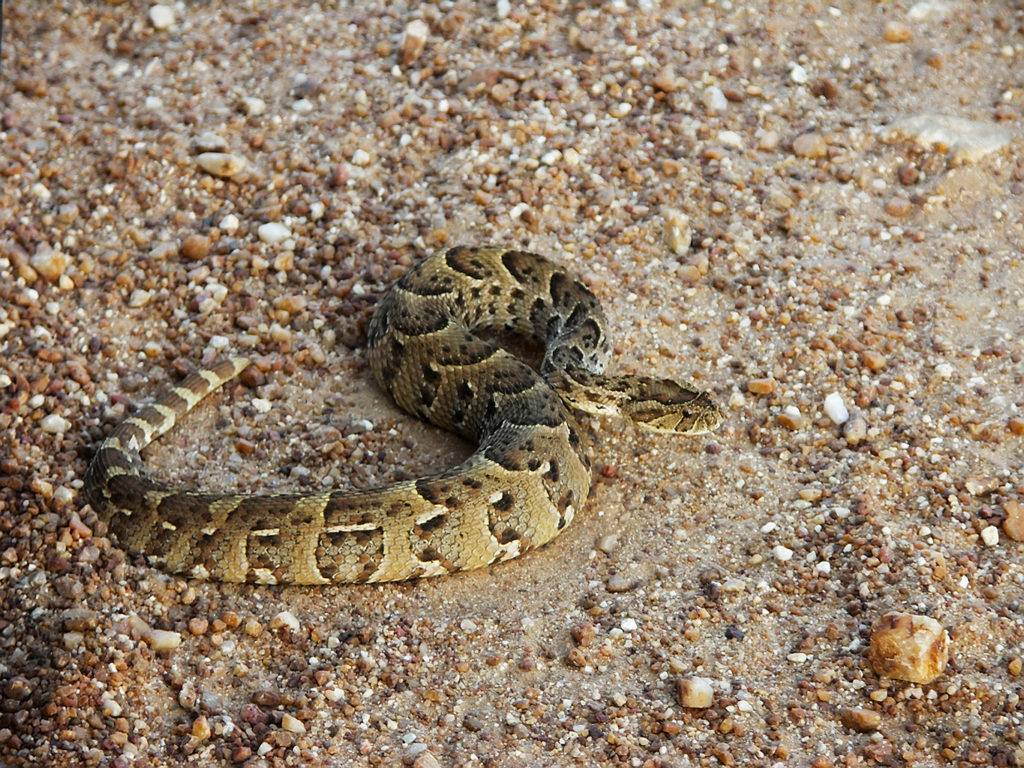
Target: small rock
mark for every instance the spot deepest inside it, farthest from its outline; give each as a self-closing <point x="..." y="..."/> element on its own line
<point x="49" y="262"/>
<point x="54" y="424"/>
<point x="968" y="140"/>
<point x="414" y="41"/>
<point x="860" y="719"/>
<point x="782" y="554"/>
<point x="907" y="646"/>
<point x="791" y="418"/>
<point x="426" y="760"/>
<point x="210" y="142"/>
<point x="990" y="535"/>
<point x="162" y="639"/>
<point x="678" y="232"/>
<point x="71" y="640"/>
<point x="714" y="100"/>
<point x="694" y="692"/>
<point x="896" y="32"/>
<point x="1013" y="525"/>
<point x="201" y="728"/>
<point x="161" y="16"/>
<point x="979" y="485"/>
<point x="873" y="361"/>
<point x="285" y="619"/>
<point x="835" y="409"/>
<point x="855" y="430"/>
<point x="898" y="207"/>
<point x="1015" y="665"/>
<point x="576" y="658"/>
<point x="608" y="543"/>
<point x="195" y="247"/>
<point x="810" y="145"/>
<point x="222" y="164"/>
<point x="273" y="233"/>
<point x="761" y="386"/>
<point x="798" y="74"/>
<point x="666" y="80"/>
<point x="139" y="298"/>
<point x="628" y="624"/>
<point x="292" y="724"/>
<point x="583" y="634"/>
<point x="253" y="106"/>
<point x="619" y="583"/>
<point x="291" y="304"/>
<point x="110" y="706"/>
<point x="361" y="157"/>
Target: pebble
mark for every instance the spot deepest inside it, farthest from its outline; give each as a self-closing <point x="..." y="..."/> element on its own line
<point x="714" y="100"/>
<point x="761" y="386"/>
<point x="210" y="142"/>
<point x="873" y="361"/>
<point x="798" y="74"/>
<point x="910" y="647"/>
<point x="967" y="140"/>
<point x="49" y="262"/>
<point x="426" y="760"/>
<point x="990" y="535"/>
<point x="139" y="298"/>
<point x="694" y="692"/>
<point x="253" y="106"/>
<point x="285" y="619"/>
<point x="896" y="32"/>
<point x="201" y="728"/>
<point x="628" y="625"/>
<point x="161" y="16"/>
<point x="1013" y="525"/>
<point x="414" y="40"/>
<point x="810" y="145"/>
<point x="791" y="418"/>
<point x="898" y="206"/>
<point x="835" y="409"/>
<point x="195" y="247"/>
<point x="1015" y="665"/>
<point x="162" y="639"/>
<point x="666" y="80"/>
<point x="678" y="232"/>
<point x="361" y="157"/>
<point x="619" y="583"/>
<point x="273" y="233"/>
<point x="222" y="164"/>
<point x="782" y="554"/>
<point x="608" y="543"/>
<point x="292" y="724"/>
<point x="859" y="719"/>
<point x="54" y="424"/>
<point x="855" y="430"/>
<point x="980" y="485"/>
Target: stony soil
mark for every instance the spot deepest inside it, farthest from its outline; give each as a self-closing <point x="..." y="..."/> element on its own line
<point x="770" y="200"/>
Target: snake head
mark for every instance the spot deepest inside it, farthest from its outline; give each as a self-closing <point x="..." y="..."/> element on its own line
<point x="664" y="405"/>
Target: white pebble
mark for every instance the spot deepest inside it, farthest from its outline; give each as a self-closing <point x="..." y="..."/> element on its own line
<point x="798" y="74"/>
<point x="162" y="639"/>
<point x="317" y="210"/>
<point x="292" y="724"/>
<point x="254" y="106"/>
<point x="273" y="233"/>
<point x="54" y="424"/>
<point x="797" y="658"/>
<point x="285" y="619"/>
<point x="552" y="157"/>
<point x="139" y="298"/>
<point x="824" y="567"/>
<point x="730" y="139"/>
<point x="628" y="625"/>
<point x="468" y="625"/>
<point x="714" y="100"/>
<point x="782" y="554"/>
<point x="230" y="223"/>
<point x="945" y="370"/>
<point x="222" y="164"/>
<point x="161" y="16"/>
<point x="303" y="106"/>
<point x="990" y="535"/>
<point x="219" y="342"/>
<point x="835" y="408"/>
<point x="110" y="707"/>
<point x="621" y="109"/>
<point x="360" y="157"/>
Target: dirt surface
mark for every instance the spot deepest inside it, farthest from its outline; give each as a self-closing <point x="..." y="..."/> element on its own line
<point x="777" y="201"/>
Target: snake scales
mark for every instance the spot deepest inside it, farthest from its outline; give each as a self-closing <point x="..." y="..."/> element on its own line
<point x="529" y="475"/>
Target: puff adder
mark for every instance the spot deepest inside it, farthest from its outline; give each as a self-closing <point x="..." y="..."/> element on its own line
<point x="527" y="478"/>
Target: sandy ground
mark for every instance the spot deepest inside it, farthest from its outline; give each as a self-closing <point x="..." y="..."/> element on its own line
<point x="777" y="201"/>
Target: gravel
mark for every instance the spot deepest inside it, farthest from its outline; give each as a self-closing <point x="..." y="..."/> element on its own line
<point x="778" y="202"/>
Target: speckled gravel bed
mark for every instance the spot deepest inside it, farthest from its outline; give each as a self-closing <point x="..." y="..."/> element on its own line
<point x="813" y="210"/>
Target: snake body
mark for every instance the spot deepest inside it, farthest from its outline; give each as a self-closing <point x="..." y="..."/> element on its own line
<point x="527" y="478"/>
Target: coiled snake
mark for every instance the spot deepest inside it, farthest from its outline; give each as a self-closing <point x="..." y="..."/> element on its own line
<point x="527" y="478"/>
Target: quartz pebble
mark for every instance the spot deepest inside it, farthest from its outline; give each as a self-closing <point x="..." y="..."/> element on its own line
<point x="835" y="408"/>
<point x="273" y="233"/>
<point x="714" y="100"/>
<point x="285" y="619"/>
<point x="990" y="535"/>
<point x="761" y="386"/>
<point x="810" y="145"/>
<point x="859" y="719"/>
<point x="210" y="142"/>
<point x="161" y="16"/>
<point x="222" y="164"/>
<point x="678" y="233"/>
<point x="49" y="262"/>
<point x="162" y="639"/>
<point x="694" y="692"/>
<point x="54" y="424"/>
<point x="967" y="140"/>
<point x="896" y="32"/>
<point x="855" y="430"/>
<point x="1013" y="525"/>
<point x="413" y="41"/>
<point x="292" y="724"/>
<point x="907" y="646"/>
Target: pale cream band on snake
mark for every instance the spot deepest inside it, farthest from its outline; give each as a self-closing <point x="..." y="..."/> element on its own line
<point x="527" y="478"/>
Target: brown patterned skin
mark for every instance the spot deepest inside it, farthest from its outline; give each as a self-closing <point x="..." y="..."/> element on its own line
<point x="528" y="477"/>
